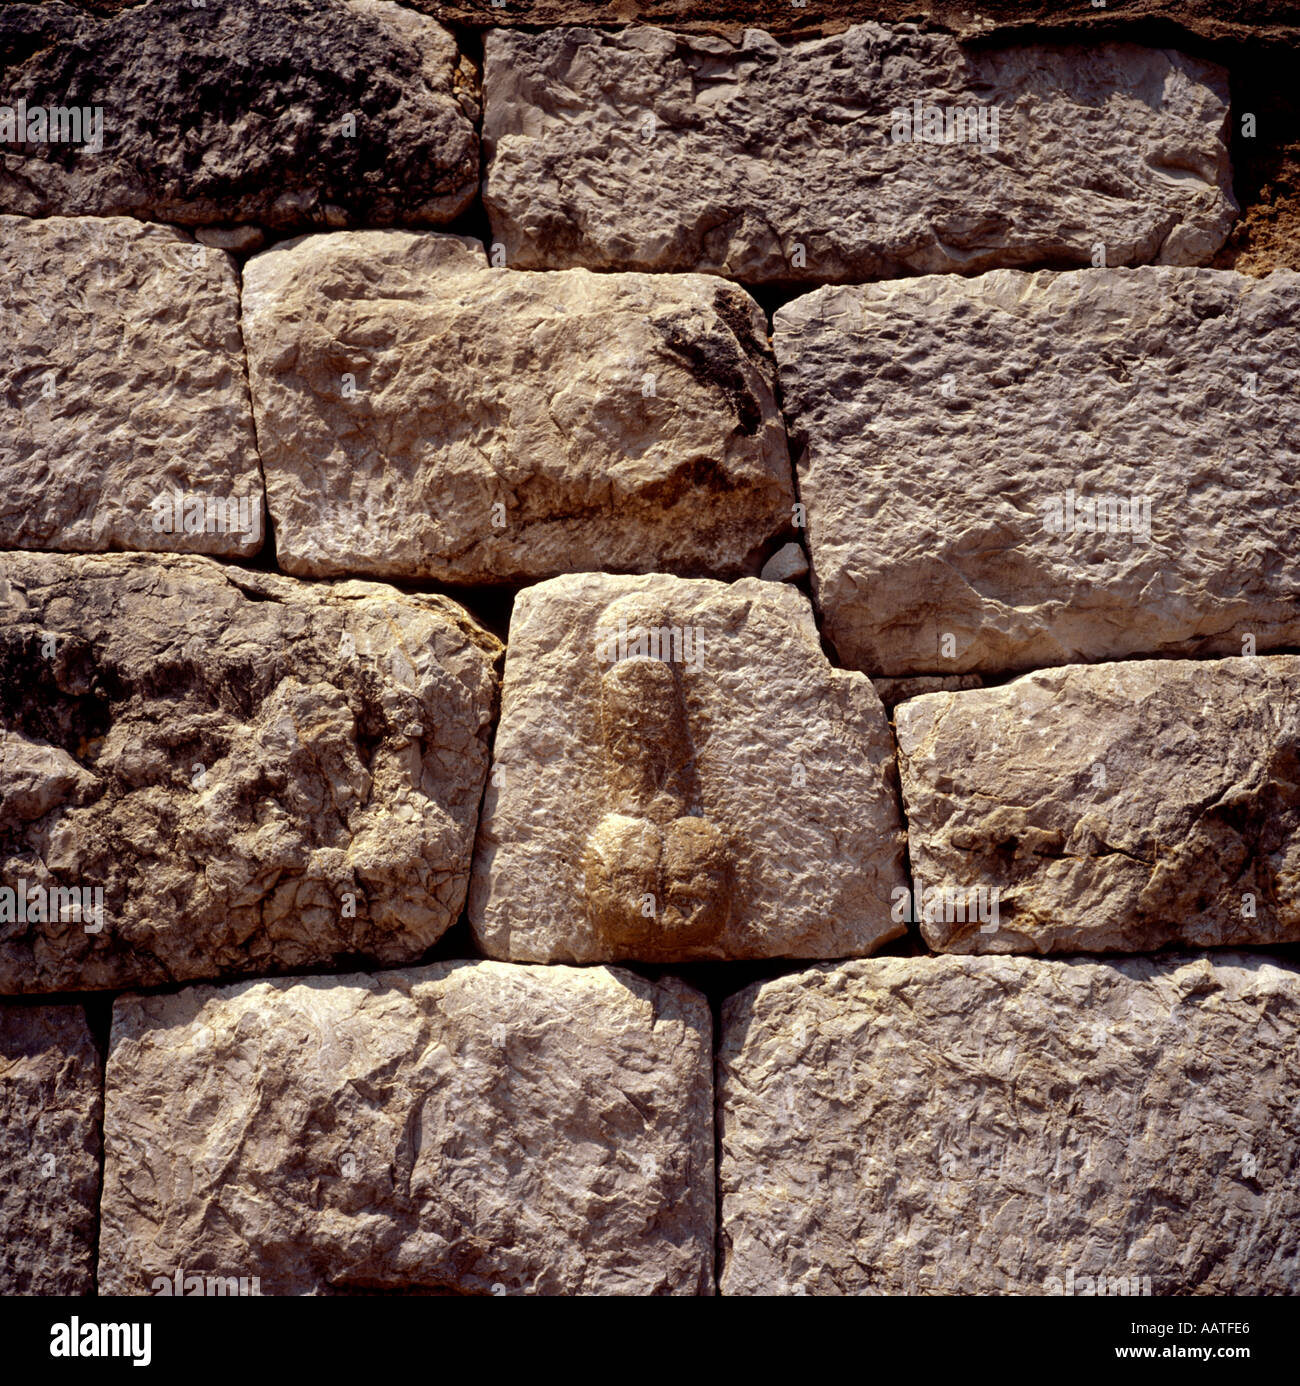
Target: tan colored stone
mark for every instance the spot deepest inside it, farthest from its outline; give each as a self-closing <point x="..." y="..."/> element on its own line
<point x="722" y="792"/>
<point x="1018" y="470"/>
<point x="788" y="564"/>
<point x="640" y="149"/>
<point x="1108" y="808"/>
<point x="977" y="1126"/>
<point x="465" y="1128"/>
<point x="255" y="773"/>
<point x="424" y="415"/>
<point x="124" y="377"/>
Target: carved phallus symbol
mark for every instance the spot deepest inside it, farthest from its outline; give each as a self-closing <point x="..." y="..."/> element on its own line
<point x="659" y="877"/>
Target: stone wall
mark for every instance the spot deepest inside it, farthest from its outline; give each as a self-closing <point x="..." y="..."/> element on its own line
<point x="649" y="652"/>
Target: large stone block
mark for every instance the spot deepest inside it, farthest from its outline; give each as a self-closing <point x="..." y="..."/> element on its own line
<point x="823" y="162"/>
<point x="1108" y="808"/>
<point x="680" y="773"/>
<point x="125" y="386"/>
<point x="1019" y="470"/>
<point x="206" y="772"/>
<point x="424" y="415"/>
<point x="51" y="1102"/>
<point x="1013" y="1126"/>
<point x="289" y="113"/>
<point x="465" y="1128"/>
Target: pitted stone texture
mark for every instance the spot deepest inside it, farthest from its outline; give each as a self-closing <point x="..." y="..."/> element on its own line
<point x="259" y="774"/>
<point x="643" y="149"/>
<point x="124" y="381"/>
<point x="1012" y="1126"/>
<point x="1115" y="807"/>
<point x="465" y="1128"/>
<point x="733" y="798"/>
<point x="51" y="1102"/>
<point x="424" y="415"/>
<point x="241" y="111"/>
<point x="945" y="427"/>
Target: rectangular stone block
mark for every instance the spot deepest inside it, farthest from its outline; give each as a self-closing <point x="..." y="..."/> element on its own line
<point x="1020" y="470"/>
<point x="51" y="1105"/>
<point x="679" y="773"/>
<point x="877" y="152"/>
<point x="207" y="772"/>
<point x="287" y="113"/>
<point x="1110" y="808"/>
<point x="128" y="422"/>
<point x="1008" y="1126"/>
<point x="464" y="1128"/>
<point x="424" y="415"/>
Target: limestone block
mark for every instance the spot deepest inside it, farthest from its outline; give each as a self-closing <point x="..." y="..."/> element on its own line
<point x="987" y="1126"/>
<point x="208" y="772"/>
<point x="422" y="414"/>
<point x="1019" y="470"/>
<point x="464" y="1128"/>
<point x="873" y="153"/>
<point x="680" y="773"/>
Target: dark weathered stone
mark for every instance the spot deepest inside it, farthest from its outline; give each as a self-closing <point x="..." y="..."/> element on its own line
<point x="235" y="111"/>
<point x="51" y="1102"/>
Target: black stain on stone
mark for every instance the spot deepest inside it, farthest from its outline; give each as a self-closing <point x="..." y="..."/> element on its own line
<point x="714" y="357"/>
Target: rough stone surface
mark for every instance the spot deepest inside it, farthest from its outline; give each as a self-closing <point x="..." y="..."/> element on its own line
<point x="732" y="798"/>
<point x="123" y="381"/>
<point x="466" y="1128"/>
<point x="51" y="1084"/>
<point x="258" y="773"/>
<point x="1118" y="807"/>
<point x="424" y="415"/>
<point x="1013" y="1126"/>
<point x="1256" y="40"/>
<point x="235" y="111"/>
<point x="642" y="149"/>
<point x="944" y="425"/>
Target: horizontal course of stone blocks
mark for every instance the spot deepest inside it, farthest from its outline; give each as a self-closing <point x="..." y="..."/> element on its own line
<point x="1008" y="1126"/>
<point x="864" y="490"/>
